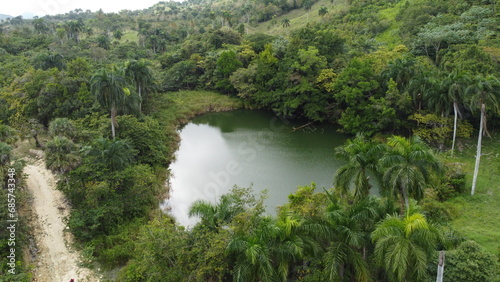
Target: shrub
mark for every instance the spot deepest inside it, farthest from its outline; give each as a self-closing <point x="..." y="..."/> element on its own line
<point x="434" y="209"/>
<point x="148" y="137"/>
<point x="61" y="154"/>
<point x="62" y="127"/>
<point x="469" y="263"/>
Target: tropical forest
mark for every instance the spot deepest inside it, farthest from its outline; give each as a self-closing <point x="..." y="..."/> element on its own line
<point x="96" y="109"/>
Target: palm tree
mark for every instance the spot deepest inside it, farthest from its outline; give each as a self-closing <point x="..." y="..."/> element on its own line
<point x="285" y="23"/>
<point x="61" y="155"/>
<point x="61" y="33"/>
<point x="48" y="61"/>
<point x="361" y="156"/>
<point x="436" y="100"/>
<point x="292" y="243"/>
<point x="344" y="257"/>
<point x="483" y="91"/>
<point x="252" y="254"/>
<point x="140" y="73"/>
<point x="117" y="34"/>
<point x="408" y="166"/>
<point x="214" y="216"/>
<point x="322" y="11"/>
<point x="5" y="158"/>
<point x="62" y="127"/>
<point x="266" y="249"/>
<point x="402" y="71"/>
<point x="114" y="154"/>
<point x="8" y="134"/>
<point x="89" y="31"/>
<point x="420" y="85"/>
<point x="346" y="230"/>
<point x="455" y="83"/>
<point x="73" y="29"/>
<point x="403" y="246"/>
<point x="103" y="41"/>
<point x="40" y="26"/>
<point x="226" y="17"/>
<point x="109" y="90"/>
<point x="307" y="6"/>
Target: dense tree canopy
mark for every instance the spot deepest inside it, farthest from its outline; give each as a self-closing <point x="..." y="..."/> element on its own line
<point x="378" y="69"/>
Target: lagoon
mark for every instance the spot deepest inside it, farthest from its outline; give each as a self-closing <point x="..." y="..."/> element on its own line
<point x="249" y="148"/>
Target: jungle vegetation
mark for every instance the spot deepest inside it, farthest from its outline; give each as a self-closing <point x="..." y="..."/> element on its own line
<point x="412" y="81"/>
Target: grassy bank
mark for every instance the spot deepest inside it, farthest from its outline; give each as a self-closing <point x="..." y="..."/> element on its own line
<point x="176" y="108"/>
<point x="478" y="215"/>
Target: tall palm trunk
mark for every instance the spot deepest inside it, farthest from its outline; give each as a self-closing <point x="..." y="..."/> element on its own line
<point x="140" y="96"/>
<point x="455" y="111"/>
<point x="113" y="120"/>
<point x="406" y="200"/>
<point x="478" y="152"/>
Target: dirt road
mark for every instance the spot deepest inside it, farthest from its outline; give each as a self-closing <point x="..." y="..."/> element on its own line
<point x="55" y="261"/>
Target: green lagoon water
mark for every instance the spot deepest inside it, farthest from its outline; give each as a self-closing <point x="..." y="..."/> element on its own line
<point x="248" y="147"/>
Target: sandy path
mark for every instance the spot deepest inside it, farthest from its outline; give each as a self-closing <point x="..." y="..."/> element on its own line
<point x="55" y="262"/>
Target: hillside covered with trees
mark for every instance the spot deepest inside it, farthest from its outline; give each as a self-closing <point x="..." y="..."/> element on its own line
<point x="414" y="82"/>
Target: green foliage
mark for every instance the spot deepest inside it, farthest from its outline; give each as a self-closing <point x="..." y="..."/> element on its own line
<point x="434" y="37"/>
<point x="328" y="41"/>
<point x="48" y="61"/>
<point x="113" y="155"/>
<point x="361" y="156"/>
<point x="62" y="127"/>
<point x="227" y="63"/>
<point x="309" y="61"/>
<point x="321" y="68"/>
<point x="358" y="94"/>
<point x="50" y="95"/>
<point x="8" y="134"/>
<point x="158" y="253"/>
<point x="224" y="36"/>
<point x="117" y="34"/>
<point x="403" y="246"/>
<point x="111" y="93"/>
<point x="208" y="255"/>
<point x="108" y="88"/>
<point x="457" y="182"/>
<point x="182" y="75"/>
<point x="103" y="42"/>
<point x="79" y="68"/>
<point x="148" y="137"/>
<point x="469" y="263"/>
<point x="438" y="130"/>
<point x="116" y="249"/>
<point x="408" y="167"/>
<point x="433" y="208"/>
<point x="348" y="229"/>
<point x="469" y="58"/>
<point x="215" y="216"/>
<point x="61" y="154"/>
<point x="258" y="41"/>
<point x="103" y="202"/>
<point x="306" y="202"/>
<point x="139" y="72"/>
<point x="243" y="81"/>
<point x="5" y="157"/>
